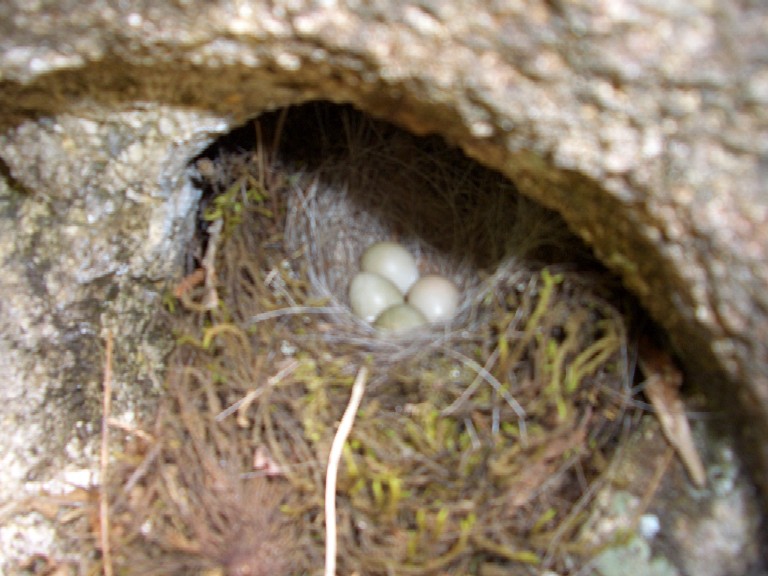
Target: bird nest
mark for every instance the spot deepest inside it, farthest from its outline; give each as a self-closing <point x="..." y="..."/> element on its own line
<point x="477" y="440"/>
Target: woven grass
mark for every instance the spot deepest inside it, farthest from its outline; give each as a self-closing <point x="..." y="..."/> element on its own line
<point x="478" y="442"/>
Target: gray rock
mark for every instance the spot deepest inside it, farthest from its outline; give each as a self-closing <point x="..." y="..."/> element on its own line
<point x="644" y="123"/>
<point x="683" y="530"/>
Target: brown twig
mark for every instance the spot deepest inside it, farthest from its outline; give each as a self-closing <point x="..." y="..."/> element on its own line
<point x="211" y="299"/>
<point x="188" y="282"/>
<point x="103" y="497"/>
<point x="653" y="486"/>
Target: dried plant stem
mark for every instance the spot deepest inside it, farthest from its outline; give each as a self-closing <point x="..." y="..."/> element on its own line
<point x="103" y="501"/>
<point x="294" y="311"/>
<point x="485" y="374"/>
<point x="333" y="468"/>
<point x="211" y="299"/>
<point x="653" y="486"/>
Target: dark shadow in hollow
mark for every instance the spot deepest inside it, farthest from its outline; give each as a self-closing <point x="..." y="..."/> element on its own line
<point x="420" y="186"/>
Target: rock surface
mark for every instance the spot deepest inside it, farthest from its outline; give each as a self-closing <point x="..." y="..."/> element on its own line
<point x="645" y="123"/>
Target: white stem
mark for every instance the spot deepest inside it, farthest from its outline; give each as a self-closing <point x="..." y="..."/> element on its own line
<point x="333" y="468"/>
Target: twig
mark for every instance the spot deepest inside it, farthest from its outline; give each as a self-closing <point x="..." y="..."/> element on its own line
<point x="278" y="135"/>
<point x="242" y="405"/>
<point x="188" y="282"/>
<point x="127" y="428"/>
<point x="472" y="388"/>
<point x="211" y="298"/>
<point x="103" y="498"/>
<point x="143" y="468"/>
<point x="333" y="468"/>
<point x="653" y="486"/>
<point x="497" y="386"/>
<point x="294" y="310"/>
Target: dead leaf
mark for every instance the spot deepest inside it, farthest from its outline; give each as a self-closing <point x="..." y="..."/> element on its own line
<point x="662" y="388"/>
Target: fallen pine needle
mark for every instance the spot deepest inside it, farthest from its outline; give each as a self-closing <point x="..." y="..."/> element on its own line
<point x="333" y="468"/>
<point x="103" y="500"/>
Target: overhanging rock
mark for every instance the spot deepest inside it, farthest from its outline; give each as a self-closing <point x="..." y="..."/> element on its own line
<point x="644" y="124"/>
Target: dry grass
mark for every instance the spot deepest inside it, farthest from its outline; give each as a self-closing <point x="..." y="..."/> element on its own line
<point x="187" y="501"/>
<point x="477" y="442"/>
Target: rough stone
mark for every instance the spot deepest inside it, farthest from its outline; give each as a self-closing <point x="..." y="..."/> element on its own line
<point x="645" y="123"/>
<point x="87" y="233"/>
<point x="680" y="517"/>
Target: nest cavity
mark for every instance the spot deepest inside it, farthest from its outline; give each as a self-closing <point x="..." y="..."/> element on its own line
<point x="477" y="441"/>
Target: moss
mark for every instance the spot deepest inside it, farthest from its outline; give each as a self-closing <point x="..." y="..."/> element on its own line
<point x="471" y="444"/>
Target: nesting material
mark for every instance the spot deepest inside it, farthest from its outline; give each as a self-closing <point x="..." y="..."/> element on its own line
<point x="477" y="441"/>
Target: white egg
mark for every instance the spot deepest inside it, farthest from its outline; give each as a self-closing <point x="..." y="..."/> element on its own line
<point x="371" y="294"/>
<point x="434" y="296"/>
<point x="400" y="318"/>
<point x="393" y="261"/>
